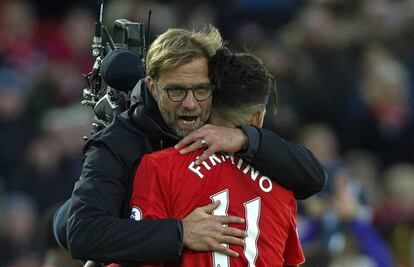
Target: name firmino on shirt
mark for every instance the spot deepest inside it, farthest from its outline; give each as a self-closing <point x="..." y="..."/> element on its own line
<point x="265" y="183"/>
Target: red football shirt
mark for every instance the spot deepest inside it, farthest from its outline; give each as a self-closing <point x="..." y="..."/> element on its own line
<point x="169" y="185"/>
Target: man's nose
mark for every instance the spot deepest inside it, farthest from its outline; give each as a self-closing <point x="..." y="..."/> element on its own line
<point x="189" y="101"/>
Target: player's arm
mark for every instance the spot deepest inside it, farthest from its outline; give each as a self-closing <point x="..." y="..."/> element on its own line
<point x="95" y="231"/>
<point x="296" y="167"/>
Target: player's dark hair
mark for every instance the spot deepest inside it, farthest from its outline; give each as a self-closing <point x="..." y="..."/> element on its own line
<point x="241" y="80"/>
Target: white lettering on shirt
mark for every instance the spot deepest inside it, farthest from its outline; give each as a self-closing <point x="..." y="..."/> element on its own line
<point x="262" y="186"/>
<point x="213" y="159"/>
<point x="196" y="169"/>
<point x="264" y="183"/>
<point x="254" y="174"/>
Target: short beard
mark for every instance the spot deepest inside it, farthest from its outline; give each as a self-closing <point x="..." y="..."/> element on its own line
<point x="170" y="121"/>
<point x="182" y="133"/>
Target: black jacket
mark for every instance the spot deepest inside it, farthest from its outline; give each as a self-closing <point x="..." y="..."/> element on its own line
<point x="97" y="225"/>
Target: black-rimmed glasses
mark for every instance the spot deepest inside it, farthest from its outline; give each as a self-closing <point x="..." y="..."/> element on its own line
<point x="178" y="93"/>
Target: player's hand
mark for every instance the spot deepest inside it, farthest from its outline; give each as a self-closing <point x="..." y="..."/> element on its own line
<point x="206" y="232"/>
<point x="217" y="139"/>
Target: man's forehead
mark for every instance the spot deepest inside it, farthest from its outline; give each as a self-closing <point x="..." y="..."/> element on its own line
<point x="192" y="73"/>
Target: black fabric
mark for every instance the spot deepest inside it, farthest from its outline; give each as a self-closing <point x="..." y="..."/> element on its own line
<point x="59" y="224"/>
<point x="289" y="164"/>
<point x="253" y="136"/>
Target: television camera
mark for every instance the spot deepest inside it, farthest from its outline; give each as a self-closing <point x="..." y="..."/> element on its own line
<point x="119" y="65"/>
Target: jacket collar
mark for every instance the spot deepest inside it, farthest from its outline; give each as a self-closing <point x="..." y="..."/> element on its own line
<point x="148" y="118"/>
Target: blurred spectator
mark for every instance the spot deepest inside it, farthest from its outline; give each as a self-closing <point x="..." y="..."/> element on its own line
<point x="286" y="119"/>
<point x="336" y="232"/>
<point x="14" y="125"/>
<point x="366" y="167"/>
<point x="75" y="33"/>
<point x="324" y="75"/>
<point x="271" y="14"/>
<point x="336" y="228"/>
<point x="18" y="47"/>
<point x="395" y="213"/>
<point x="53" y="159"/>
<point x="17" y="229"/>
<point x="387" y="125"/>
<point x="59" y="84"/>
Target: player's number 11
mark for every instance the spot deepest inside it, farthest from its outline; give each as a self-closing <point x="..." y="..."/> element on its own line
<point x="252" y="211"/>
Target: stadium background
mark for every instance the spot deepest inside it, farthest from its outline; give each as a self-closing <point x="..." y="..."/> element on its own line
<point x="345" y="72"/>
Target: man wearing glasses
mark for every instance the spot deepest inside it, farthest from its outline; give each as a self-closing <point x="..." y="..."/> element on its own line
<point x="185" y="111"/>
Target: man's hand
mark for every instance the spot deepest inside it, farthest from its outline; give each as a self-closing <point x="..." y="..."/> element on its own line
<point x="206" y="232"/>
<point x="218" y="139"/>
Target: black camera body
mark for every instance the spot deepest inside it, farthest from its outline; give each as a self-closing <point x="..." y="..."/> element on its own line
<point x="129" y="35"/>
<point x="119" y="65"/>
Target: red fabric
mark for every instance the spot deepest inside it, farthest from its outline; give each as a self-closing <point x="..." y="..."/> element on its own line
<point x="166" y="187"/>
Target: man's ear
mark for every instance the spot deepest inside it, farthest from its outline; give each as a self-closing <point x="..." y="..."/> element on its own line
<point x="151" y="87"/>
<point x="258" y="118"/>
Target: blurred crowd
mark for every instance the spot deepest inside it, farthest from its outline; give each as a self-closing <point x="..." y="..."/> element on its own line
<point x="345" y="78"/>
